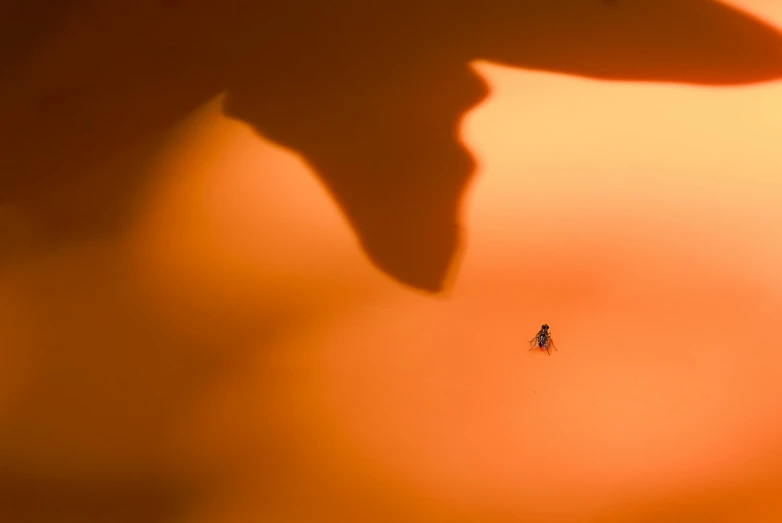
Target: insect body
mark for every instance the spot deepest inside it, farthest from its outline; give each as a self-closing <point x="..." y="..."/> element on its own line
<point x="543" y="340"/>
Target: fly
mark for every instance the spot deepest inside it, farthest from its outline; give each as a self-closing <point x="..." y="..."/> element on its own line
<point x="543" y="340"/>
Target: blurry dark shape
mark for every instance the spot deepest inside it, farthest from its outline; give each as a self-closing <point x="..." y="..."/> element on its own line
<point x="41" y="499"/>
<point x="24" y="26"/>
<point x="682" y="41"/>
<point x="370" y="94"/>
<point x="373" y="98"/>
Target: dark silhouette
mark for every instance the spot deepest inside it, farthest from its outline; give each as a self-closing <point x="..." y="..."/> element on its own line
<point x="369" y="93"/>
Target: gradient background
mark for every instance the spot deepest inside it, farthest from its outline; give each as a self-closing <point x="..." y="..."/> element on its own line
<point x="224" y="350"/>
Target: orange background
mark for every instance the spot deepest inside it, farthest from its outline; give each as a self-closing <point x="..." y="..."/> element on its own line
<point x="191" y="330"/>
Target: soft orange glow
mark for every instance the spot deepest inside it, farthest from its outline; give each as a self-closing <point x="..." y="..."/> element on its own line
<point x="230" y="352"/>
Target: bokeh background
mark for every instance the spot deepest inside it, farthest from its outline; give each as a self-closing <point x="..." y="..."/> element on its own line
<point x="280" y="263"/>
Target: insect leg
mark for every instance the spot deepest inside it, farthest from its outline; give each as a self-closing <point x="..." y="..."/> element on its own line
<point x="551" y="341"/>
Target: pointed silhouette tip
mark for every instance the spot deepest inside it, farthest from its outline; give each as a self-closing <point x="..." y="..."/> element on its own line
<point x="433" y="285"/>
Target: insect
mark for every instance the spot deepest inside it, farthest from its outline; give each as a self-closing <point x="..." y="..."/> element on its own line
<point x="543" y="340"/>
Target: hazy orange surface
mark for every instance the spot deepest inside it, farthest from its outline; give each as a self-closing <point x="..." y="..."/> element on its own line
<point x="225" y="350"/>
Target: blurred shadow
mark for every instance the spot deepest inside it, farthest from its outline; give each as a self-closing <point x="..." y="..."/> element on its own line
<point x="29" y="499"/>
<point x="24" y="26"/>
<point x="371" y="95"/>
